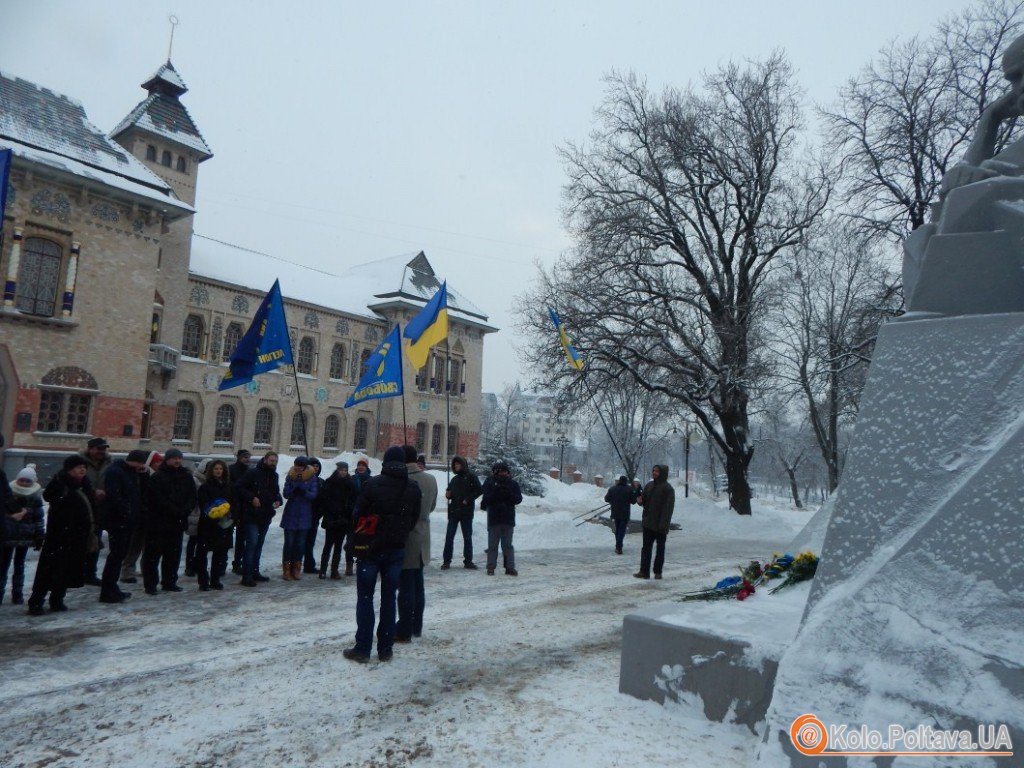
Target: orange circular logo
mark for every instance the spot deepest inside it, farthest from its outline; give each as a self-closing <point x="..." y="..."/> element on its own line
<point x="808" y="735"/>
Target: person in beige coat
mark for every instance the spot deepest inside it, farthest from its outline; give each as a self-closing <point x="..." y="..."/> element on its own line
<point x="411" y="593"/>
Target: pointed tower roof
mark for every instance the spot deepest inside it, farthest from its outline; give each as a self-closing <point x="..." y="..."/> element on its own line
<point x="161" y="113"/>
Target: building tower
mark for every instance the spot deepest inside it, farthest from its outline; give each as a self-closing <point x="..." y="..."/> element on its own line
<point x="160" y="133"/>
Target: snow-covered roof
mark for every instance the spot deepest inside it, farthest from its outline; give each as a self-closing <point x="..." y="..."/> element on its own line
<point x="49" y="128"/>
<point x="162" y="114"/>
<point x="356" y="292"/>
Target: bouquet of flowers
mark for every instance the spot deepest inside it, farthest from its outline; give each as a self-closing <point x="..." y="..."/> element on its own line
<point x="791" y="569"/>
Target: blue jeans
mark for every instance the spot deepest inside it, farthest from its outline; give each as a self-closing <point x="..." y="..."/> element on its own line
<point x="500" y="534"/>
<point x="467" y="540"/>
<point x="255" y="533"/>
<point x="620" y="532"/>
<point x="389" y="565"/>
<point x="294" y="545"/>
<point x="412" y="599"/>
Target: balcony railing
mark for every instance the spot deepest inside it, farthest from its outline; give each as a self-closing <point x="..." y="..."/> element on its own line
<point x="163" y="359"/>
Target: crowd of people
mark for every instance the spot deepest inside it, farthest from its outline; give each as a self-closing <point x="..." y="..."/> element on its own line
<point x="152" y="508"/>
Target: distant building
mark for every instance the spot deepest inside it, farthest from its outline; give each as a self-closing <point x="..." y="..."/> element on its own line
<point x="118" y="321"/>
<point x="534" y="419"/>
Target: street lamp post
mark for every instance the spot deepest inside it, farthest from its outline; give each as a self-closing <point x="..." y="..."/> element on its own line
<point x="686" y="464"/>
<point x="561" y="442"/>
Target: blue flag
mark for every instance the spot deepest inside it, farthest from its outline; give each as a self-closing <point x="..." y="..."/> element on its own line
<point x="5" y="171"/>
<point x="572" y="355"/>
<point x="383" y="376"/>
<point x="265" y="346"/>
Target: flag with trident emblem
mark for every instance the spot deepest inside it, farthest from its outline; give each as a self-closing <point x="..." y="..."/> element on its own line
<point x="382" y="376"/>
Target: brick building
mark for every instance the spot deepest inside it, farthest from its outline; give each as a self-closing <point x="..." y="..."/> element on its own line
<point x="117" y="320"/>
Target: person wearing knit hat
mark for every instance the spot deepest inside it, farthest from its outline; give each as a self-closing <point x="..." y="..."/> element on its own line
<point x="170" y="498"/>
<point x="300" y="488"/>
<point x="23" y="527"/>
<point x="336" y="500"/>
<point x="68" y="528"/>
<point x="308" y="556"/>
<point x="412" y="599"/>
<point x="151" y="460"/>
<point x="122" y="483"/>
<point x="362" y="473"/>
<point x="388" y="506"/>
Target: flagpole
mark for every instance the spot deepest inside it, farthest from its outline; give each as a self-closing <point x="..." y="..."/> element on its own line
<point x="298" y="394"/>
<point x="447" y="409"/>
<point x="593" y="397"/>
<point x="401" y="372"/>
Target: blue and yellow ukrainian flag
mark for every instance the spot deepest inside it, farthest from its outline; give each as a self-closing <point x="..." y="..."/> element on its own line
<point x="383" y="377"/>
<point x="572" y="355"/>
<point x="265" y="346"/>
<point x="428" y="328"/>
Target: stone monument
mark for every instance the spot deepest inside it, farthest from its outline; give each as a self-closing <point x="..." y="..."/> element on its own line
<point x="916" y="614"/>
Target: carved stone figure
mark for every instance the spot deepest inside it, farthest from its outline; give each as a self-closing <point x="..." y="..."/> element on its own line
<point x="968" y="260"/>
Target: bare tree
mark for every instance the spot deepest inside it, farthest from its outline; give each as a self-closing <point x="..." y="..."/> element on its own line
<point x="833" y="296"/>
<point x="511" y="410"/>
<point x="679" y="207"/>
<point x="909" y="115"/>
<point x="634" y="417"/>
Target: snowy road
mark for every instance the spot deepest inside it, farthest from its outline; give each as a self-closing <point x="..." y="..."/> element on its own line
<point x="510" y="671"/>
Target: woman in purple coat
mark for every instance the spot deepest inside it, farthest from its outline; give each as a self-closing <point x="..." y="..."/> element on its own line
<point x="300" y="488"/>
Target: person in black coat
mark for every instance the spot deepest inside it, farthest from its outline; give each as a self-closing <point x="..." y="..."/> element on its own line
<point x="620" y="496"/>
<point x="334" y="503"/>
<point x="235" y="473"/>
<point x="386" y="510"/>
<point x="215" y="525"/>
<point x="68" y="527"/>
<point x="122" y="486"/>
<point x="463" y="490"/>
<point x="500" y="496"/>
<point x="258" y="495"/>
<point x="309" y="557"/>
<point x="170" y="498"/>
<point x="22" y="525"/>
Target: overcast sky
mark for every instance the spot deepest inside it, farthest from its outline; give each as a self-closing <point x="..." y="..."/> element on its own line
<point x="346" y="132"/>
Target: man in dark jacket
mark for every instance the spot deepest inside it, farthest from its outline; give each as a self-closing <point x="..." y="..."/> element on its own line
<point x="386" y="510"/>
<point x="170" y="498"/>
<point x="235" y="473"/>
<point x="334" y="503"/>
<point x="122" y="487"/>
<point x="259" y="495"/>
<point x="501" y="494"/>
<point x="620" y="496"/>
<point x="659" y="501"/>
<point x="463" y="490"/>
<point x="96" y="462"/>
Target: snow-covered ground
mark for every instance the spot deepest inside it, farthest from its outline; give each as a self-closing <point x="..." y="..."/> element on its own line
<point x="509" y="671"/>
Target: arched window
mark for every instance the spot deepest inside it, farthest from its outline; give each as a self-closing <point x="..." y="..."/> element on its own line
<point x="154" y="329"/>
<point x="224" y="429"/>
<point x="298" y="428"/>
<point x="165" y="159"/>
<point x="453" y="376"/>
<point x="421" y="436"/>
<point x="38" y="277"/>
<point x="453" y="440"/>
<point x="338" y="361"/>
<point x="304" y="359"/>
<point x="264" y="432"/>
<point x="181" y="165"/>
<point x="421" y="379"/>
<point x="232" y="336"/>
<point x="362" y="360"/>
<point x="359" y="434"/>
<point x="331" y="429"/>
<point x="437" y="383"/>
<point x="435" y="439"/>
<point x="192" y="336"/>
<point x="151" y="152"/>
<point x="184" y="416"/>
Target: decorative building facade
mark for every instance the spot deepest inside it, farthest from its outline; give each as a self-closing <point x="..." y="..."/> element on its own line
<point x="117" y="320"/>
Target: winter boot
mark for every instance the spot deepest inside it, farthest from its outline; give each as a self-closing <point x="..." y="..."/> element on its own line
<point x="445" y="565"/>
<point x="286" y="571"/>
<point x="297" y="570"/>
<point x="335" y="576"/>
<point x="349" y="569"/>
